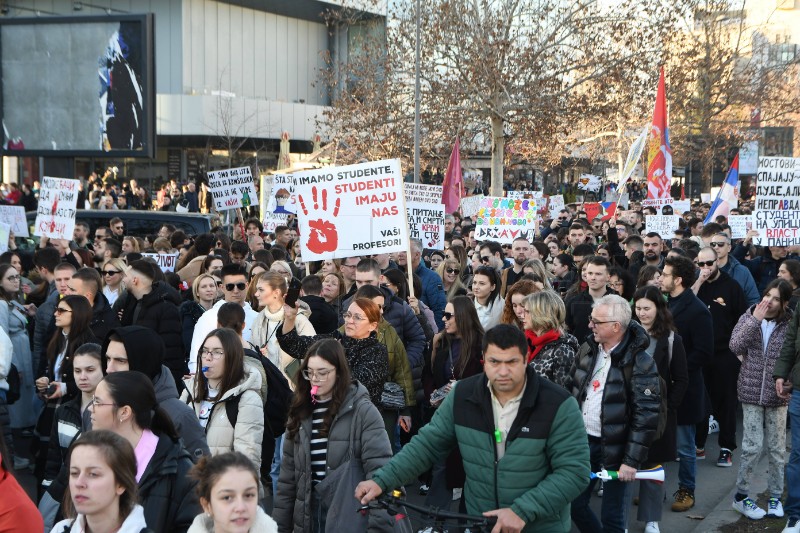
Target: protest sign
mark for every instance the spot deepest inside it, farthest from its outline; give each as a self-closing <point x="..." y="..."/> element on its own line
<point x="273" y="220"/>
<point x="740" y="225"/>
<point x="282" y="198"/>
<point x="777" y="210"/>
<point x="232" y="188"/>
<point x="426" y="223"/>
<point x="351" y="210"/>
<point x="658" y="203"/>
<point x="504" y="219"/>
<point x="5" y="233"/>
<point x="14" y="215"/>
<point x="469" y="206"/>
<point x="681" y="206"/>
<point x="523" y="194"/>
<point x="55" y="216"/>
<point x="166" y="262"/>
<point x="605" y="210"/>
<point x="664" y="225"/>
<point x="264" y="192"/>
<point x="705" y="197"/>
<point x="422" y="193"/>
<point x="556" y="204"/>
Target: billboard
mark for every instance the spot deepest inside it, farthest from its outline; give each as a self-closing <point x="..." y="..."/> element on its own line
<point x="78" y="86"/>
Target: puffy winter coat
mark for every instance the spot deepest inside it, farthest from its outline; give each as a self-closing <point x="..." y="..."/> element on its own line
<point x="248" y="433"/>
<point x="630" y="411"/>
<point x="555" y="360"/>
<point x="190" y="312"/>
<point x="756" y="385"/>
<point x="676" y="377"/>
<point x="399" y="369"/>
<point x="787" y="367"/>
<point x="292" y="508"/>
<point x="432" y="292"/>
<point x="133" y="523"/>
<point x="266" y="327"/>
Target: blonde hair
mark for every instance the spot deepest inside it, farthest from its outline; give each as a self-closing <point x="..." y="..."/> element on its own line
<point x="197" y="281"/>
<point x="546" y="311"/>
<point x="134" y="243"/>
<point x="457" y="284"/>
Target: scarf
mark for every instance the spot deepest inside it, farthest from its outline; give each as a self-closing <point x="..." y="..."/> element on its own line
<point x="535" y="344"/>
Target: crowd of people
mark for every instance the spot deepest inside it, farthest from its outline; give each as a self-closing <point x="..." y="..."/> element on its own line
<point x="248" y="390"/>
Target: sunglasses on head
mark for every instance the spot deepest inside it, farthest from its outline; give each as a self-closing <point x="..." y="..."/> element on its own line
<point x="230" y="286"/>
<point x="705" y="263"/>
<point x="452" y="270"/>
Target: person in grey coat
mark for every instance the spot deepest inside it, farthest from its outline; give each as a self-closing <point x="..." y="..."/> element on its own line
<point x="326" y="429"/>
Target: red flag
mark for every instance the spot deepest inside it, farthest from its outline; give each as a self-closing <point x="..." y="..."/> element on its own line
<point x="659" y="153"/>
<point x="683" y="192"/>
<point x="453" y="186"/>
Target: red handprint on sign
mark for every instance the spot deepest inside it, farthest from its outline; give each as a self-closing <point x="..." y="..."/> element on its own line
<point x="322" y="236"/>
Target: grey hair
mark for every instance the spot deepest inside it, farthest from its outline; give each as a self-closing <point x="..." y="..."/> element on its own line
<point x="416" y="245"/>
<point x="451" y="218"/>
<point x="619" y="308"/>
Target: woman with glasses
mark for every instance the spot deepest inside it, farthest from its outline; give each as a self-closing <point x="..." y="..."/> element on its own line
<point x="283" y="268"/>
<point x="459" y="254"/>
<point x="514" y="311"/>
<point x="456" y="354"/>
<point x="72" y="418"/>
<point x="450" y="272"/>
<point x="367" y="357"/>
<point x="551" y="350"/>
<point x="204" y="295"/>
<point x="486" y="292"/>
<point x="113" y="271"/>
<point x="222" y="385"/>
<point x="332" y="424"/>
<point x="125" y="403"/>
<point x="621" y="281"/>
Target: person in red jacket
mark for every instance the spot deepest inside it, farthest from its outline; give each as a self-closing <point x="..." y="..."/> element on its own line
<point x="17" y="511"/>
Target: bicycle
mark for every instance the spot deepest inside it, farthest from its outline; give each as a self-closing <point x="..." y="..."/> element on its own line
<point x="439" y="520"/>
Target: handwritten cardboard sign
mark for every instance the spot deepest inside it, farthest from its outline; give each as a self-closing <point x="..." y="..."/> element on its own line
<point x="166" y="262"/>
<point x="273" y="220"/>
<point x="470" y="205"/>
<point x="5" y="233"/>
<point x="232" y="188"/>
<point x="664" y="225"/>
<point x="282" y="199"/>
<point x="422" y="193"/>
<point x="504" y="219"/>
<point x="14" y="215"/>
<point x="55" y="216"/>
<point x="740" y="225"/>
<point x="426" y="223"/>
<point x="777" y="209"/>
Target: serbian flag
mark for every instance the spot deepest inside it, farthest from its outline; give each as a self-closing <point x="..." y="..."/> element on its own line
<point x="659" y="153"/>
<point x="453" y="186"/>
<point x="727" y="197"/>
<point x="605" y="210"/>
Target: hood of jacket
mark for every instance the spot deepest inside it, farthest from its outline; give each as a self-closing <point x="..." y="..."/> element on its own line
<point x="165" y="387"/>
<point x="263" y="523"/>
<point x="161" y="293"/>
<point x="134" y="523"/>
<point x="101" y="305"/>
<point x="634" y="341"/>
<point x="144" y="347"/>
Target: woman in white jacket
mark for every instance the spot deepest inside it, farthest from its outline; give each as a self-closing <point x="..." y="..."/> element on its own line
<point x="101" y="496"/>
<point x="271" y="293"/>
<point x="225" y="390"/>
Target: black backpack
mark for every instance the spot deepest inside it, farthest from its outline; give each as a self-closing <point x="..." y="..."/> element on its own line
<point x="276" y="405"/>
<point x="663" y="409"/>
<point x="14" y="386"/>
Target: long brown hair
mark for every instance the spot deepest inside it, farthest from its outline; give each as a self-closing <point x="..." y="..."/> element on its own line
<point x="470" y="331"/>
<point x="79" y="331"/>
<point x="234" y="364"/>
<point x="331" y="351"/>
<point x="663" y="324"/>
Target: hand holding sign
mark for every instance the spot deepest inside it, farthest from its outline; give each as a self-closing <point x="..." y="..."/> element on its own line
<point x="323" y="236"/>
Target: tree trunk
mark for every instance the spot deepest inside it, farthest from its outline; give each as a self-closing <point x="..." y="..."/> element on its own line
<point x="498" y="149"/>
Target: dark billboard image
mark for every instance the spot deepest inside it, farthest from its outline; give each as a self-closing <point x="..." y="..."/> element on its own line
<point x="78" y="86"/>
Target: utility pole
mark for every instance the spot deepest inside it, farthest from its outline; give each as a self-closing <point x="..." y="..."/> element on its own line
<point x="416" y="96"/>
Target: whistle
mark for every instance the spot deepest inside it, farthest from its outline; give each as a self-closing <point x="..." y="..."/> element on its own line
<point x="204" y="369"/>
<point x="314" y="390"/>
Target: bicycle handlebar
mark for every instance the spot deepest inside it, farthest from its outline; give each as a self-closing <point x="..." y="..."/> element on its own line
<point x="394" y="505"/>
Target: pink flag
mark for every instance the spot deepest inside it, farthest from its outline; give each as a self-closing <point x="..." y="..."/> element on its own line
<point x="453" y="186"/>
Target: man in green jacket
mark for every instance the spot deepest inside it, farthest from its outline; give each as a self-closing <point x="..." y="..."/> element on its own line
<point x="521" y="438"/>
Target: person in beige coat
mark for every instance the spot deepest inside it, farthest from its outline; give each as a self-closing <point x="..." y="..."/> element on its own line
<point x="271" y="293"/>
<point x="222" y="379"/>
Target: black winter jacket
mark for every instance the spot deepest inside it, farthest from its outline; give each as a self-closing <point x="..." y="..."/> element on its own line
<point x="630" y="410"/>
<point x="323" y="317"/>
<point x="103" y="317"/>
<point x="190" y="312"/>
<point x="579" y="308"/>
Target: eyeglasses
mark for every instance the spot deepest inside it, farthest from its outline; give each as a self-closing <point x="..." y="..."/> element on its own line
<point x="211" y="354"/>
<point x="485" y="259"/>
<point x="355" y="317"/>
<point x="349" y="266"/>
<point x="96" y="402"/>
<point x="15" y="277"/>
<point x="319" y="375"/>
<point x="110" y="272"/>
<point x="230" y="286"/>
<point x="506" y="247"/>
<point x="61" y="310"/>
<point x="119" y="227"/>
<point x="447" y="316"/>
<point x="705" y="263"/>
<point x="452" y="270"/>
<point x="718" y="244"/>
<point x="616" y="283"/>
<point x="598" y="322"/>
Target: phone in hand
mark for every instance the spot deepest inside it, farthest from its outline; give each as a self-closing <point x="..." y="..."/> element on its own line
<point x="50" y="390"/>
<point x="293" y="293"/>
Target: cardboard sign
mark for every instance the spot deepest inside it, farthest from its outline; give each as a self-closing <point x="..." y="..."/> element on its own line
<point x="469" y="206"/>
<point x="14" y="215"/>
<point x="664" y="225"/>
<point x="282" y="198"/>
<point x="273" y="220"/>
<point x="740" y="225"/>
<point x="777" y="210"/>
<point x="166" y="262"/>
<point x="421" y="193"/>
<point x="55" y="216"/>
<point x="658" y="203"/>
<point x="523" y="194"/>
<point x="232" y="188"/>
<point x="504" y="219"/>
<point x="556" y="204"/>
<point x="681" y="206"/>
<point x="426" y="223"/>
<point x="705" y="197"/>
<point x="351" y="210"/>
<point x="5" y="233"/>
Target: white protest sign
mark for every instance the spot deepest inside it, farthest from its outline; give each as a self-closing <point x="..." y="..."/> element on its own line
<point x="5" y="233"/>
<point x="740" y="225"/>
<point x="523" y="194"/>
<point x="681" y="206"/>
<point x="504" y="219"/>
<point x="264" y="190"/>
<point x="166" y="262"/>
<point x="426" y="223"/>
<point x="658" y="203"/>
<point x="422" y="193"/>
<point x="14" y="215"/>
<point x="351" y="210"/>
<point x="232" y="188"/>
<point x="469" y="205"/>
<point x="705" y="197"/>
<point x="282" y="198"/>
<point x="55" y="216"/>
<point x="556" y="204"/>
<point x="777" y="210"/>
<point x="273" y="220"/>
<point x="664" y="225"/>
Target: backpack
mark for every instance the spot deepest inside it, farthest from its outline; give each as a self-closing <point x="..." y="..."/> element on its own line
<point x="13" y="393"/>
<point x="277" y="402"/>
<point x="663" y="408"/>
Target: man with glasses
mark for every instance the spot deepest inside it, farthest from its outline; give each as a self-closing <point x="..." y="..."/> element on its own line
<point x="732" y="267"/>
<point x="620" y="418"/>
<point x="348" y="269"/>
<point x="101" y="233"/>
<point x="492" y="255"/>
<point x="154" y="305"/>
<point x="234" y="290"/>
<point x="694" y="325"/>
<point x="117" y="228"/>
<point x="726" y="302"/>
<point x="520" y="253"/>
